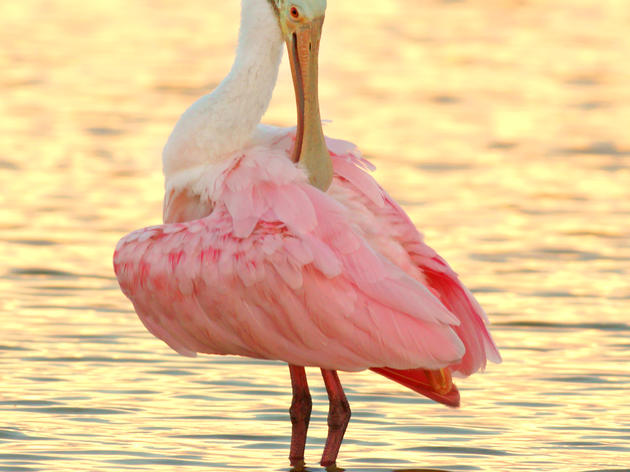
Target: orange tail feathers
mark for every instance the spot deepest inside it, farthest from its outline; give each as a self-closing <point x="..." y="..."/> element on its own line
<point x="435" y="384"/>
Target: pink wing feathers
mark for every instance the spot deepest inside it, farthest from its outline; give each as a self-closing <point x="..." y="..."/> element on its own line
<point x="278" y="270"/>
<point x="272" y="268"/>
<point x="435" y="272"/>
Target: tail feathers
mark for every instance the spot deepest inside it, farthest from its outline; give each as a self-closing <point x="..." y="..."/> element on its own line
<point x="435" y="384"/>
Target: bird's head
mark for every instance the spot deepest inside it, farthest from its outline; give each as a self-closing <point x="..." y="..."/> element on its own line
<point x="292" y="14"/>
<point x="301" y="24"/>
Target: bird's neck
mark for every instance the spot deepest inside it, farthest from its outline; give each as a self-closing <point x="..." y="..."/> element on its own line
<point x="246" y="91"/>
<point x="222" y="122"/>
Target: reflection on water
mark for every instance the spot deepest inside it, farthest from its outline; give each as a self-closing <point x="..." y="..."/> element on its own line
<point x="500" y="125"/>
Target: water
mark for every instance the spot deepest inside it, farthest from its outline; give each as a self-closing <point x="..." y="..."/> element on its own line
<point x="502" y="127"/>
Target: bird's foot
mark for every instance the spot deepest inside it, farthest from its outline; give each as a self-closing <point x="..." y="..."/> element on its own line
<point x="333" y="468"/>
<point x="298" y="465"/>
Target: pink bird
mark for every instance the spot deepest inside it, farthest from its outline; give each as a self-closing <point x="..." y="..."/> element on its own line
<point x="278" y="244"/>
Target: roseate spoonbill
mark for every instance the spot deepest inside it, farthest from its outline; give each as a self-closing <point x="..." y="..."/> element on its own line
<point x="277" y="244"/>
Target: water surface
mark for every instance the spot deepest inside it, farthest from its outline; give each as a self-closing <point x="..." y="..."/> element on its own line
<point x="501" y="126"/>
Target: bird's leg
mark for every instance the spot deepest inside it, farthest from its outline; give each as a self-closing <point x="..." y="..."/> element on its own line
<point x="300" y="415"/>
<point x="338" y="418"/>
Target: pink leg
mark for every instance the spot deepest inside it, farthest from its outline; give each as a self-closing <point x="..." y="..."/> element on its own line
<point x="338" y="418"/>
<point x="300" y="415"/>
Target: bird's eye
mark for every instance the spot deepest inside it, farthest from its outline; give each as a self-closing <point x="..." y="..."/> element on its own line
<point x="295" y="13"/>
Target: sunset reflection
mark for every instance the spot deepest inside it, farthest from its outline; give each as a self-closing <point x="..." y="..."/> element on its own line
<point x="500" y="126"/>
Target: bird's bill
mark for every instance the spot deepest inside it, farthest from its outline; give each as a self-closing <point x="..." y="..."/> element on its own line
<point x="310" y="146"/>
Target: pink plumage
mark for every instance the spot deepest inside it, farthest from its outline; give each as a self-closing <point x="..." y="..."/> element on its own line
<point x="274" y="268"/>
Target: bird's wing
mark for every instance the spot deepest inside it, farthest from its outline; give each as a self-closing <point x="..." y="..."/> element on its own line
<point x="350" y="171"/>
<point x="278" y="271"/>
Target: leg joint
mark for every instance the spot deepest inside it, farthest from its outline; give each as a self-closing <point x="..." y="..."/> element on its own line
<point x="301" y="408"/>
<point x="339" y="414"/>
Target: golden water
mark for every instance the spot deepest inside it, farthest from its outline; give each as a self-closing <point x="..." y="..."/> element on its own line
<point x="502" y="126"/>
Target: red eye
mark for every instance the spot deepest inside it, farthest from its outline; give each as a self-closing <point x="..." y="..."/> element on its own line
<point x="295" y="13"/>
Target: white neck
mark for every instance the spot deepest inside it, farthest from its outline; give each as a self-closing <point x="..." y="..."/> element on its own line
<point x="223" y="121"/>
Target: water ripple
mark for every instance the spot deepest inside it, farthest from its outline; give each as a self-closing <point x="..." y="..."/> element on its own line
<point x="533" y="212"/>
